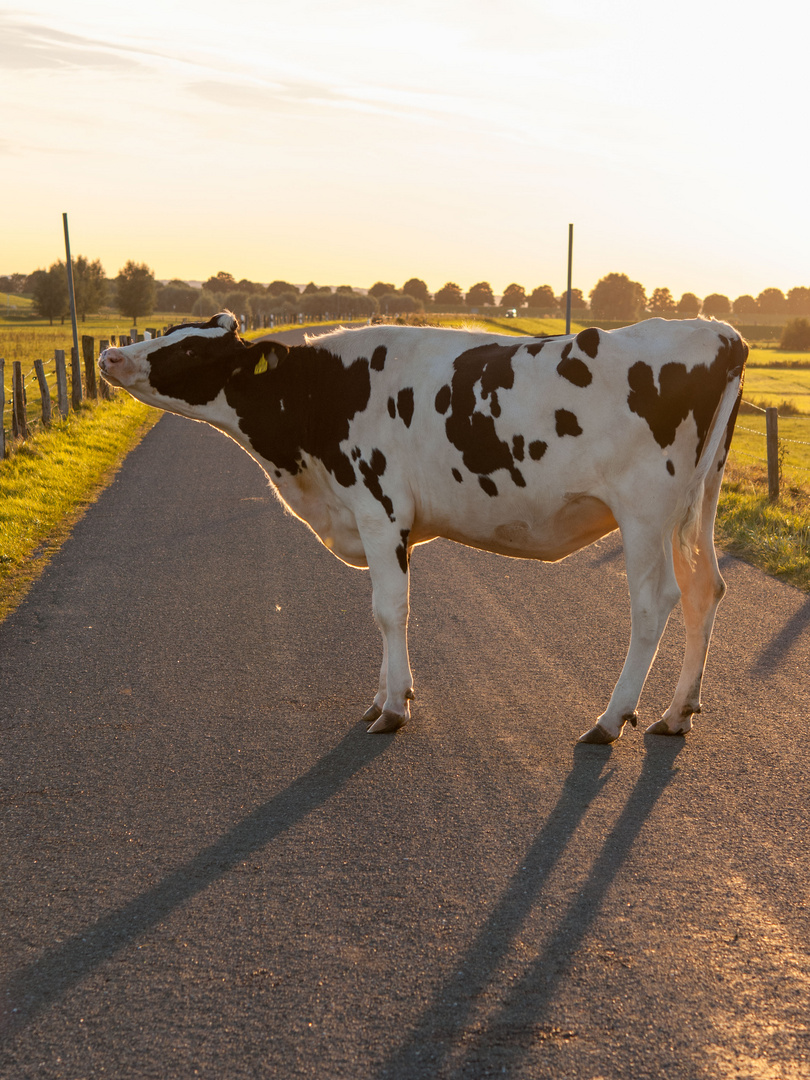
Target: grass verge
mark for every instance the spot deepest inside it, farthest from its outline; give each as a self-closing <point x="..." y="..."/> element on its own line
<point x="773" y="536"/>
<point x="50" y="480"/>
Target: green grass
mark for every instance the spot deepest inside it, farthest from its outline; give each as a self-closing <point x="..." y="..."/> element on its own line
<point x="48" y="481"/>
<point x="774" y="537"/>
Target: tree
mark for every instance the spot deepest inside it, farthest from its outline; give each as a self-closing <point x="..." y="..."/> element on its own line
<point x="796" y="336"/>
<point x="89" y="285"/>
<point x="479" y="295"/>
<point x="399" y="304"/>
<point x="13" y="283"/>
<point x="50" y="291"/>
<point x="177" y="296"/>
<point x="206" y="304"/>
<point x="380" y="288"/>
<point x="662" y="302"/>
<point x="276" y="288"/>
<point x="543" y="297"/>
<point x="221" y="283"/>
<point x="771" y="301"/>
<point x="416" y="288"/>
<point x="689" y="305"/>
<point x="449" y="293"/>
<point x="716" y="304"/>
<point x="514" y="296"/>
<point x="798" y="301"/>
<point x="136" y="291"/>
<point x="311" y="288"/>
<point x="577" y="299"/>
<point x="615" y="296"/>
<point x="745" y="305"/>
<point x="344" y="290"/>
<point x="249" y="287"/>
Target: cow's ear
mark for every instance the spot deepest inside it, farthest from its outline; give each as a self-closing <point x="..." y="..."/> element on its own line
<point x="227" y="321"/>
<point x="272" y="353"/>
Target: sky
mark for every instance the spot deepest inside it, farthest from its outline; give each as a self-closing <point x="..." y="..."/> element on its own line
<point x="365" y="140"/>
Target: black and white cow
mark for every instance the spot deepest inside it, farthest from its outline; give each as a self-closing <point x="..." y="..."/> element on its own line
<point x="386" y="437"/>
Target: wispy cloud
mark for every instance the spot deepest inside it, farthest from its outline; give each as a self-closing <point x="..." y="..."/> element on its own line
<point x="26" y="46"/>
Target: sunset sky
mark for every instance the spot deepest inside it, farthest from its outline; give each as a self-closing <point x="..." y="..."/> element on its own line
<point x="362" y="140"/>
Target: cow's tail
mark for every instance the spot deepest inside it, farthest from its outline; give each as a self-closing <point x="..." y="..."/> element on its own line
<point x="690" y="518"/>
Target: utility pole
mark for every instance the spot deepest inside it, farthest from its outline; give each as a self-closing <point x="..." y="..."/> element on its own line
<point x="71" y="293"/>
<point x="568" y="294"/>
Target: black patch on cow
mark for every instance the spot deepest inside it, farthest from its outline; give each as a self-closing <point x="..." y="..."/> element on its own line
<point x="541" y="341"/>
<point x="732" y="420"/>
<point x="392" y="408"/>
<point x="457" y="476"/>
<point x="356" y="453"/>
<point x="494" y="404"/>
<point x="403" y="555"/>
<point x="371" y="472"/>
<point x="378" y="358"/>
<point x="302" y="407"/>
<point x="470" y="431"/>
<point x="567" y="423"/>
<point x="443" y="400"/>
<point x="405" y="405"/>
<point x="681" y="391"/>
<point x="488" y="485"/>
<point x="574" y="369"/>
<point x="196" y="368"/>
<point x="537" y="449"/>
<point x="517" y="447"/>
<point x="588" y="341"/>
<point x="670" y="468"/>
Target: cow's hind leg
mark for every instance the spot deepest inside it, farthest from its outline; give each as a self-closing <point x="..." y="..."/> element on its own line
<point x="702" y="589"/>
<point x="388" y="566"/>
<point x="653" y="594"/>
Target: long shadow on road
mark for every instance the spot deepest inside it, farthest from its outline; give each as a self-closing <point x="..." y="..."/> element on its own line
<point x="40" y="984"/>
<point x="449" y="1040"/>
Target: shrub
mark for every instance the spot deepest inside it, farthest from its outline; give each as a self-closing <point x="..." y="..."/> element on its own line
<point x="796" y="336"/>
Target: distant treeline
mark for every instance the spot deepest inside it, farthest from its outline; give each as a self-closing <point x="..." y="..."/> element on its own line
<point x="135" y="292"/>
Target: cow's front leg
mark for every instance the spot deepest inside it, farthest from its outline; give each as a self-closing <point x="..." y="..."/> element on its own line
<point x="653" y="594"/>
<point x="388" y="566"/>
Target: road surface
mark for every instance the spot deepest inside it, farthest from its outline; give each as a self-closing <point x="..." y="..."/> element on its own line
<point x="207" y="868"/>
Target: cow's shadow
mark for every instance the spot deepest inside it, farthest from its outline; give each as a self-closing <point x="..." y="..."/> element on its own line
<point x="39" y="985"/>
<point x="449" y="1027"/>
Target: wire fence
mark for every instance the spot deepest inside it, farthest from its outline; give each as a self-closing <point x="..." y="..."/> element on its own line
<point x="48" y="391"/>
<point x="781" y="434"/>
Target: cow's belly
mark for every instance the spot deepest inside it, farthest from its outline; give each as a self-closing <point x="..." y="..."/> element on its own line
<point x="581" y="520"/>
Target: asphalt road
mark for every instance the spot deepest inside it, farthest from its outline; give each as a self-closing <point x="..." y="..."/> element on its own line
<point x="207" y="868"/>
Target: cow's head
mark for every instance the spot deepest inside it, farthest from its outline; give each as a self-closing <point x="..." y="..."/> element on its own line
<point x="187" y="367"/>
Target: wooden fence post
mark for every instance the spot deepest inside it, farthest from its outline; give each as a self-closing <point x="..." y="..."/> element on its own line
<point x="88" y="348"/>
<point x="104" y="389"/>
<point x="772" y="444"/>
<point x="75" y="379"/>
<point x="61" y="382"/>
<point x="44" y="392"/>
<point x="18" y="401"/>
<point x="2" y="408"/>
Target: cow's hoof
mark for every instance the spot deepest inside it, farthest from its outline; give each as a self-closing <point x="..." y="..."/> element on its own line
<point x="388" y="721"/>
<point x="372" y="714"/>
<point x="599" y="735"/>
<point x="660" y="727"/>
